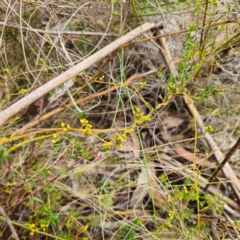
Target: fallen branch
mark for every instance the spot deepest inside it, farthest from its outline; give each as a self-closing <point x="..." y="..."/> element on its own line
<point x="72" y="72"/>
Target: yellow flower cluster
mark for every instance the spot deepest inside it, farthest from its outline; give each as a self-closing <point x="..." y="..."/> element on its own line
<point x="118" y="140"/>
<point x="55" y="138"/>
<point x="101" y="78"/>
<point x="32" y="229"/>
<point x="142" y="84"/>
<point x="44" y="226"/>
<point x="168" y="224"/>
<point x="139" y="117"/>
<point x="74" y="79"/>
<point x="65" y="127"/>
<point x="6" y="71"/>
<point x="209" y="128"/>
<point x="86" y="128"/>
<point x="107" y="145"/>
<point x="171" y="214"/>
<point x="22" y="91"/>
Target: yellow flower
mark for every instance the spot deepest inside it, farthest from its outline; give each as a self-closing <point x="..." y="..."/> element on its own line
<point x="32" y="229"/>
<point x="209" y="128"/>
<point x="101" y="78"/>
<point x="23" y="91"/>
<point x="171" y="214"/>
<point x="107" y="145"/>
<point x="168" y="224"/>
<point x="142" y="84"/>
<point x="55" y="136"/>
<point x="139" y="118"/>
<point x="86" y="127"/>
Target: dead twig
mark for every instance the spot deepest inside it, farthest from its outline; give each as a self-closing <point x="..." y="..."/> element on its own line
<point x="225" y="160"/>
<point x="213" y="225"/>
<point x="55" y="32"/>
<point x="8" y="220"/>
<point x="126" y="12"/>
<point x="165" y="50"/>
<point x="72" y="72"/>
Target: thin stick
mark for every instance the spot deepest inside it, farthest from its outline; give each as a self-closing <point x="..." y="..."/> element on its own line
<point x="55" y="32"/>
<point x="126" y="11"/>
<point x="225" y="160"/>
<point x="72" y="72"/>
<point x="165" y="50"/>
<point x="8" y="220"/>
